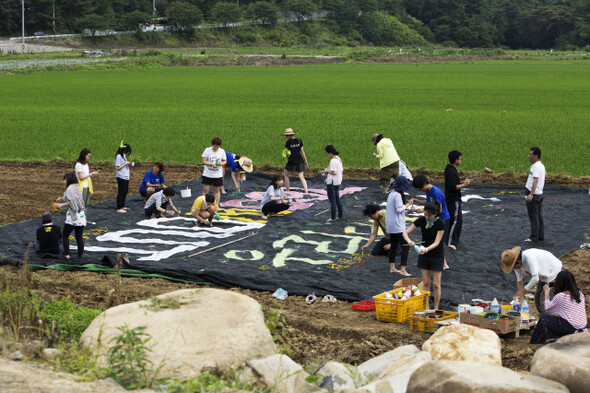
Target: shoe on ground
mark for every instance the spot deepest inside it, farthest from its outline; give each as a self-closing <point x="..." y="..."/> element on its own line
<point x="329" y="299"/>
<point x="311" y="298"/>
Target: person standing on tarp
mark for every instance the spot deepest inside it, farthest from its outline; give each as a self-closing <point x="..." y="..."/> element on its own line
<point x="236" y="164"/>
<point x="75" y="215"/>
<point x="541" y="265"/>
<point x="122" y="175"/>
<point x="296" y="159"/>
<point x="388" y="160"/>
<point x="534" y="199"/>
<point x="84" y="175"/>
<point x="453" y="188"/>
<point x="333" y="180"/>
<point x="395" y="220"/>
<point x="433" y="194"/>
<point x="214" y="159"/>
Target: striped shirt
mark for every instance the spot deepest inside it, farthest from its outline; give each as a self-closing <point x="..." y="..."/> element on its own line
<point x="567" y="308"/>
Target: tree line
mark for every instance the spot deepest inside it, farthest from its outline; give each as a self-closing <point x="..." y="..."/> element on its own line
<point x="533" y="24"/>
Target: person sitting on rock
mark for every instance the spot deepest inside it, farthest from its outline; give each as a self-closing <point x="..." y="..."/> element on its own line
<point x="204" y="209"/>
<point x="565" y="313"/>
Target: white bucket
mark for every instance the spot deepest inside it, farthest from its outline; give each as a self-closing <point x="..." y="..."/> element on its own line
<point x="186" y="193"/>
<point x="463" y="308"/>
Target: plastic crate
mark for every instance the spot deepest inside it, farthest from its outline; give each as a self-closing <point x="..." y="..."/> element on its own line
<point x="365" y="305"/>
<point x="427" y="324"/>
<point x="399" y="311"/>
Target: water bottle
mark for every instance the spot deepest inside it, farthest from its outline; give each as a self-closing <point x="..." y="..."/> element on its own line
<point x="525" y="307"/>
<point x="417" y="248"/>
<point x="495" y="306"/>
<point x="516" y="304"/>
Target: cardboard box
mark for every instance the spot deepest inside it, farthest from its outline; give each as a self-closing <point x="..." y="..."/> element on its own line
<point x="509" y="324"/>
<point x="404" y="282"/>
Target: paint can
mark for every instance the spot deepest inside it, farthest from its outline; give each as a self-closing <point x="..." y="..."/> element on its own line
<point x="186" y="193"/>
<point x="463" y="308"/>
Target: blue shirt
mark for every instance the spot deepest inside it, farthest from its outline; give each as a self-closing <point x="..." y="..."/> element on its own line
<point x="435" y="194"/>
<point x="232" y="162"/>
<point x="152" y="179"/>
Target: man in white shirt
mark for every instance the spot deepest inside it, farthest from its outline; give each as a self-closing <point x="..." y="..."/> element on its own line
<point x="541" y="265"/>
<point x="534" y="198"/>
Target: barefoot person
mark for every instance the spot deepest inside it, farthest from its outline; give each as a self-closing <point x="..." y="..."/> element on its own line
<point x="159" y="202"/>
<point x="214" y="159"/>
<point x="453" y="188"/>
<point x="388" y="160"/>
<point x="296" y="159"/>
<point x="153" y="181"/>
<point x="204" y="209"/>
<point x="274" y="199"/>
<point x="433" y="194"/>
<point x="431" y="256"/>
<point x="122" y="175"/>
<point x="333" y="180"/>
<point x="395" y="220"/>
<point x="75" y="215"/>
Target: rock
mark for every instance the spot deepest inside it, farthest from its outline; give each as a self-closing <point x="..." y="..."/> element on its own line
<point x="114" y="384"/>
<point x="212" y="330"/>
<point x="20" y="377"/>
<point x="464" y="342"/>
<point x="395" y="378"/>
<point x="487" y="170"/>
<point x="280" y="372"/>
<point x="566" y="361"/>
<point x="445" y="376"/>
<point x="50" y="353"/>
<point x="338" y="376"/>
<point x="16" y="356"/>
<point x="377" y="365"/>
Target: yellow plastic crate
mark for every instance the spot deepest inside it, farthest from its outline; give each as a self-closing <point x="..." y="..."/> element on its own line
<point x="427" y="324"/>
<point x="399" y="311"/>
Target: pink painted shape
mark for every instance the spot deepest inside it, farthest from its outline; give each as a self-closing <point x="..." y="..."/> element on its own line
<point x="298" y="199"/>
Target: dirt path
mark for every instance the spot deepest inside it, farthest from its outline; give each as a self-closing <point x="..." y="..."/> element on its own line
<point x="318" y="331"/>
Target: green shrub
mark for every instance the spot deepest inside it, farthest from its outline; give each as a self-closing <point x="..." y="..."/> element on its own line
<point x="70" y="320"/>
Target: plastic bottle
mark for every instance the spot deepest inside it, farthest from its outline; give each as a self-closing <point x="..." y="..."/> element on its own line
<point x="495" y="306"/>
<point x="516" y="304"/>
<point x="407" y="293"/>
<point x="417" y="248"/>
<point x="525" y="307"/>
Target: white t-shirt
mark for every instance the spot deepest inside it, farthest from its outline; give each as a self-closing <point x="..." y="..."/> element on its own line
<point x="122" y="173"/>
<point x="272" y="192"/>
<point x="213" y="156"/>
<point x="537" y="170"/>
<point x="85" y="171"/>
<point x="538" y="262"/>
<point x="336" y="166"/>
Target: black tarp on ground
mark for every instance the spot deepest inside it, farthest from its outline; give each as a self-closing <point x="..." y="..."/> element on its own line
<point x="303" y="253"/>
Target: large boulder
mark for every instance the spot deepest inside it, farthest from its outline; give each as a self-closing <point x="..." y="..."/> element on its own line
<point x="212" y="330"/>
<point x="375" y="366"/>
<point x="396" y="376"/>
<point x="445" y="376"/>
<point x="281" y="373"/>
<point x="567" y="361"/>
<point x="464" y="342"/>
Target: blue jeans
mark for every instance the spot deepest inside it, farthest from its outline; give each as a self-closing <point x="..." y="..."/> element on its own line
<point x="334" y="198"/>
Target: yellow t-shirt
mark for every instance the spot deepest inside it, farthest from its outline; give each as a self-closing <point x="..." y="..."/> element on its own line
<point x="200" y="204"/>
<point x="386" y="153"/>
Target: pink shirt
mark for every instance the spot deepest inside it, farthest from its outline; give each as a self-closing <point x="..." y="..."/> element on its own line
<point x="567" y="308"/>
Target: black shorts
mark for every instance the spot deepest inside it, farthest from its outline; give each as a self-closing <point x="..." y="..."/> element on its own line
<point x="213" y="181"/>
<point x="435" y="264"/>
<point x="295" y="167"/>
<point x="143" y="191"/>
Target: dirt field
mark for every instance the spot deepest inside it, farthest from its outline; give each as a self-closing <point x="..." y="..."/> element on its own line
<point x="318" y="331"/>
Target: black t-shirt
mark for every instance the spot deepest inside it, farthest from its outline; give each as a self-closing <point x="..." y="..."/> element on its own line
<point x="49" y="237"/>
<point x="429" y="236"/>
<point x="451" y="182"/>
<point x="294" y="146"/>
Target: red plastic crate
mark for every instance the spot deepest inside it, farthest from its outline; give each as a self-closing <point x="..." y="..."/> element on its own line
<point x="365" y="305"/>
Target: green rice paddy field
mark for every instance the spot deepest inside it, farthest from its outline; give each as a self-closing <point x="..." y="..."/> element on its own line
<point x="492" y="111"/>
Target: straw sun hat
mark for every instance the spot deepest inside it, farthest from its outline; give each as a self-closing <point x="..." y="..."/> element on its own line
<point x="288" y="132"/>
<point x="246" y="164"/>
<point x="509" y="258"/>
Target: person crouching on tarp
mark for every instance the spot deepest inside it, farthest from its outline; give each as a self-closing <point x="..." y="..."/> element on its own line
<point x="565" y="313"/>
<point x="204" y="209"/>
<point x="159" y="202"/>
<point x="274" y="199"/>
